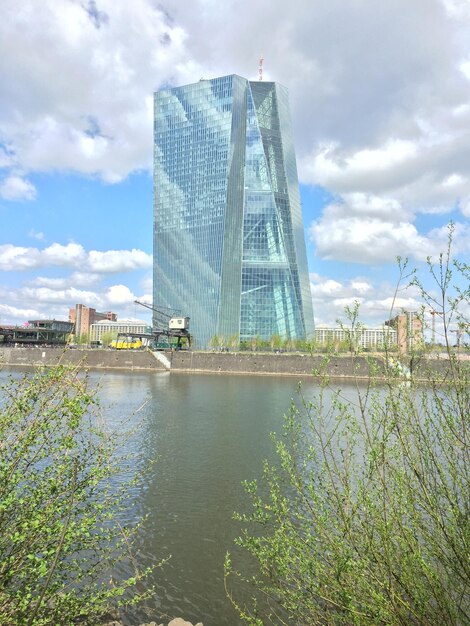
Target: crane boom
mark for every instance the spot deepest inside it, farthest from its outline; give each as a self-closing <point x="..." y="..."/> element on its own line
<point x="161" y="316"/>
<point x="159" y="309"/>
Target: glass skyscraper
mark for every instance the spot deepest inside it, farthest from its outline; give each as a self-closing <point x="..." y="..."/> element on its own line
<point x="229" y="248"/>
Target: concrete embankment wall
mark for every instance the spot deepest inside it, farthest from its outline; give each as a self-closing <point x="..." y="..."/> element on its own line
<point x="93" y="359"/>
<point x="220" y="362"/>
<point x="343" y="366"/>
<point x="285" y="364"/>
<point x="182" y="361"/>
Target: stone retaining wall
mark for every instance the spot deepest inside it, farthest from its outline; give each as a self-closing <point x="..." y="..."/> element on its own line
<point x="362" y="367"/>
<point x="93" y="359"/>
<point x="285" y="364"/>
<point x="220" y="362"/>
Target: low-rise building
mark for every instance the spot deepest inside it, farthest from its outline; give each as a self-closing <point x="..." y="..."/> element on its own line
<point x="109" y="329"/>
<point x="405" y="332"/>
<point x="38" y="332"/>
<point x="371" y="338"/>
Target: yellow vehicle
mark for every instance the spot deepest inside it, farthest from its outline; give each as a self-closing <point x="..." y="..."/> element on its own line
<point x="126" y="344"/>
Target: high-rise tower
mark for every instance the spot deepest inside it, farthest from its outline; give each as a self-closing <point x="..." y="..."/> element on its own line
<point x="229" y="248"/>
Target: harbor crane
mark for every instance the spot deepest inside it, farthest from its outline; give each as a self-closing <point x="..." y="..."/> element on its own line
<point x="168" y="322"/>
<point x="161" y="316"/>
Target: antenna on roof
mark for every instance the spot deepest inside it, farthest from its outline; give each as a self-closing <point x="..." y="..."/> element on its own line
<point x="260" y="69"/>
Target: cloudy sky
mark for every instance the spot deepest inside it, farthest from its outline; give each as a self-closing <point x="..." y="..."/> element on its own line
<point x="380" y="100"/>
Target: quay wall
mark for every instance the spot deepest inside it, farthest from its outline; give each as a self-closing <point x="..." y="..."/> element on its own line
<point x="295" y="364"/>
<point x="92" y="359"/>
<point x="285" y="364"/>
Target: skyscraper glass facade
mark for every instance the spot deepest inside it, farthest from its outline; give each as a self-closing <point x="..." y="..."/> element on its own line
<point x="229" y="249"/>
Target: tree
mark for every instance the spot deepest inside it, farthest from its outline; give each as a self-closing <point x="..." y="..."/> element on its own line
<point x="365" y="520"/>
<point x="60" y="535"/>
<point x="216" y="342"/>
<point x="275" y="342"/>
<point x="233" y="342"/>
<point x="108" y="337"/>
<point x="82" y="339"/>
<point x="256" y="343"/>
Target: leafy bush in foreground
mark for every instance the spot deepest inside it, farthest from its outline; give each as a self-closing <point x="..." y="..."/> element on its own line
<point x="59" y="531"/>
<point x="365" y="520"/>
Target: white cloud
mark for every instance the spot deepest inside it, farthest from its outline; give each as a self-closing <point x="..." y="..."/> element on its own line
<point x="72" y="255"/>
<point x="73" y="276"/>
<point x="365" y="205"/>
<point x="14" y="258"/>
<point x="460" y="240"/>
<point x="46" y="295"/>
<point x="119" y="294"/>
<point x="371" y="229"/>
<point x="361" y="286"/>
<point x="12" y="313"/>
<point x="326" y="288"/>
<point x="453" y="180"/>
<point x="331" y="168"/>
<point x="457" y="8"/>
<point x="465" y="207"/>
<point x="118" y="260"/>
<point x="373" y="241"/>
<point x="36" y="234"/>
<point x="51" y="283"/>
<point x="78" y="92"/>
<point x="378" y="300"/>
<point x="77" y="279"/>
<point x="5" y="158"/>
<point x="21" y="258"/>
<point x="377" y="113"/>
<point x="53" y="298"/>
<point x="15" y="187"/>
<point x="465" y="69"/>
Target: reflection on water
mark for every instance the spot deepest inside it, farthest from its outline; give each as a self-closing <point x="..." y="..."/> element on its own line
<point x="209" y="434"/>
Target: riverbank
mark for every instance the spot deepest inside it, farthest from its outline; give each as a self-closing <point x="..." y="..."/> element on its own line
<point x="252" y="363"/>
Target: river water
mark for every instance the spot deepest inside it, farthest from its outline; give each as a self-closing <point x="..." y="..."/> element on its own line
<point x="208" y="434"/>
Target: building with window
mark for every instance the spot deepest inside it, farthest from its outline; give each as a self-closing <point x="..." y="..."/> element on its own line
<point x="371" y="338"/>
<point x="110" y="329"/>
<point x="83" y="317"/>
<point x="38" y="332"/>
<point x="229" y="248"/>
<point x="409" y="329"/>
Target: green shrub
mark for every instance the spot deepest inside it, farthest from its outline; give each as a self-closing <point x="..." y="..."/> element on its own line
<point x="60" y="535"/>
<point x="365" y="520"/>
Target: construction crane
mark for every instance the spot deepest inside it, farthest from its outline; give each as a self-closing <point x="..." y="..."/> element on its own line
<point x="168" y="322"/>
<point x="462" y="328"/>
<point x="162" y="315"/>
